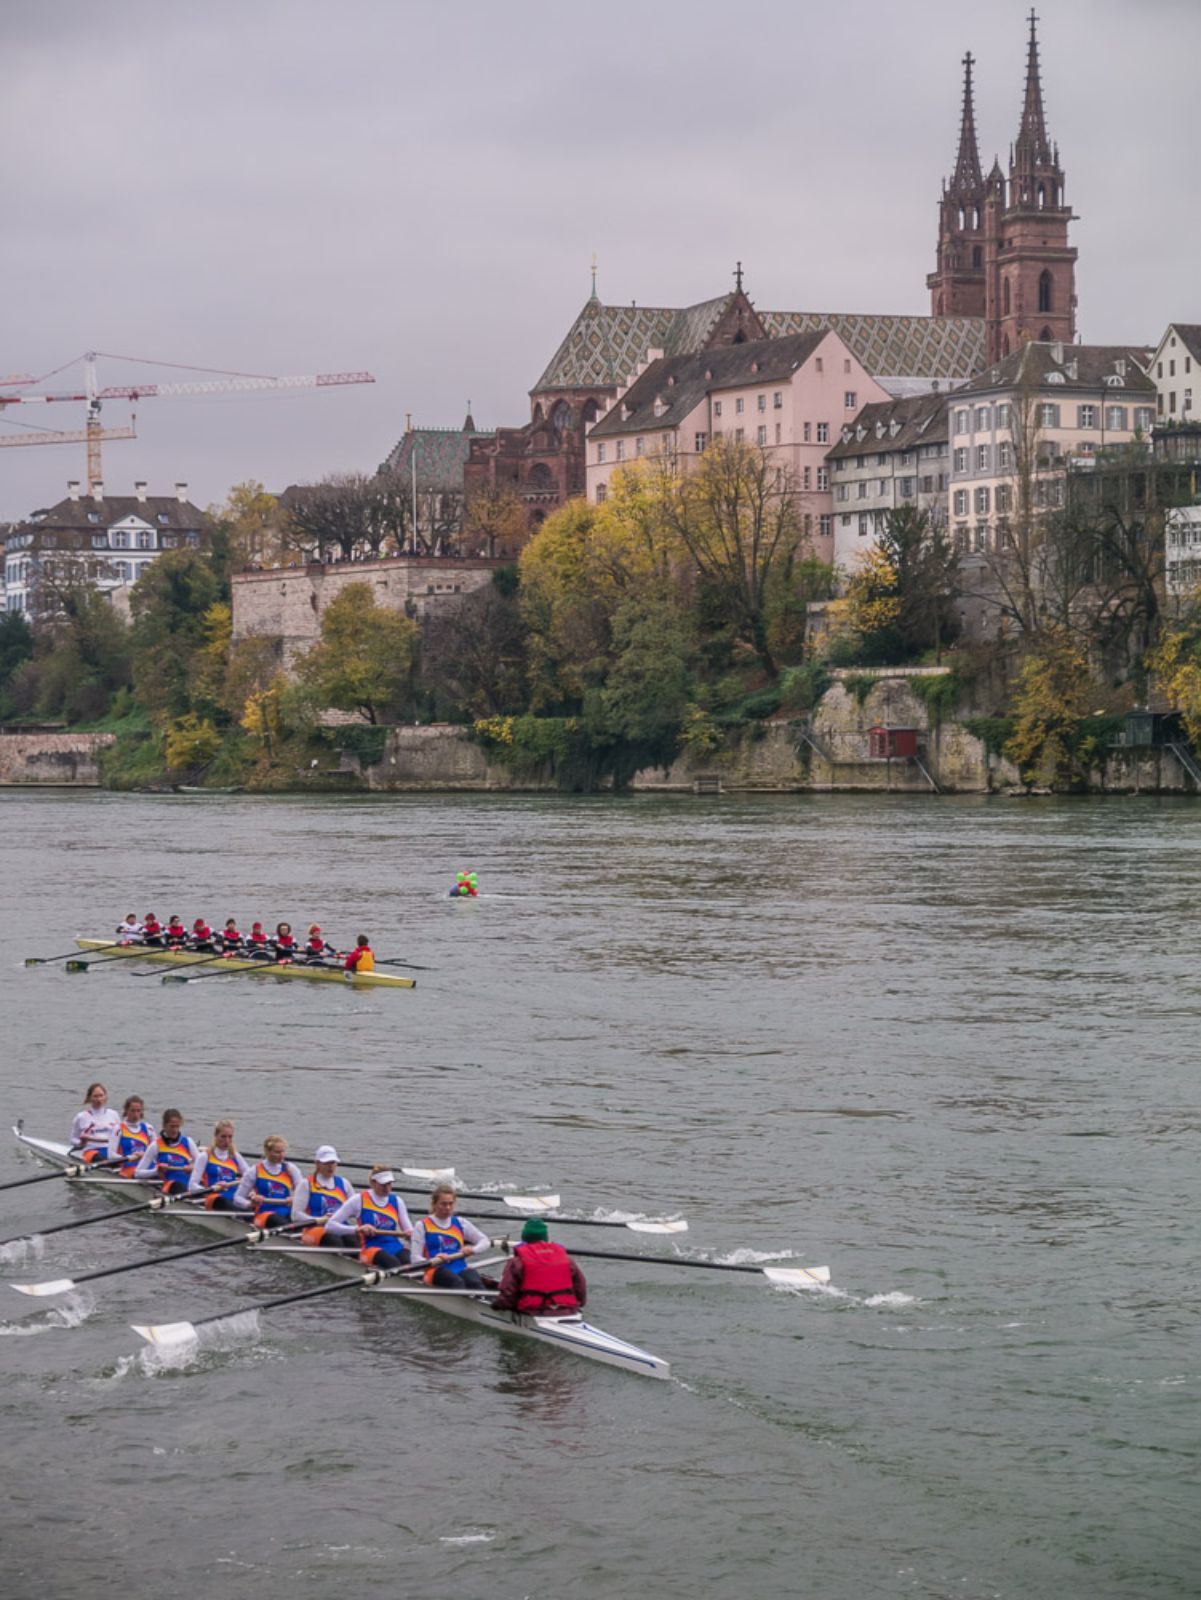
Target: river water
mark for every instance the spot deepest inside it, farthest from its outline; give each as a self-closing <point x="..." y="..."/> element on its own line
<point x="948" y="1047"/>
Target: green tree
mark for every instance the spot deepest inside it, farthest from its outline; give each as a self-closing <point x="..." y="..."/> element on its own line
<point x="16" y="646"/>
<point x="902" y="594"/>
<point x="649" y="684"/>
<point x="365" y="658"/>
<point x="82" y="657"/>
<point x="172" y="624"/>
<point x="1053" y="691"/>
<point x="192" y="741"/>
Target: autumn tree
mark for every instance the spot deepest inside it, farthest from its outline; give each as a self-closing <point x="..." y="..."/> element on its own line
<point x="347" y="514"/>
<point x="252" y="525"/>
<point x="901" y="597"/>
<point x="1176" y="663"/>
<point x="474" y="654"/>
<point x="1053" y="691"/>
<point x="494" y="520"/>
<point x="365" y="658"/>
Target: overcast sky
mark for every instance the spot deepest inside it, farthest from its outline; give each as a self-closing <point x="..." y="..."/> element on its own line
<point x="292" y="186"/>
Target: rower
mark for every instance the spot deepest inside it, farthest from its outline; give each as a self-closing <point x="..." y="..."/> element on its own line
<point x="130" y="931"/>
<point x="258" y="946"/>
<point x="284" y="943"/>
<point x="268" y="1187"/>
<point x="132" y="1137"/>
<point x="202" y="936"/>
<point x="380" y="1220"/>
<point x="444" y="1234"/>
<point x="152" y="929"/>
<point x="318" y="1197"/>
<point x="229" y="938"/>
<point x="171" y="1157"/>
<point x="95" y="1127"/>
<point x="360" y="958"/>
<point x="219" y="1167"/>
<point x="316" y="948"/>
<point x="175" y="935"/>
<point x="540" y="1279"/>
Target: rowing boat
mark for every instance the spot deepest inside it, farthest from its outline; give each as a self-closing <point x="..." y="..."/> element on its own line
<point x="572" y="1334"/>
<point x="296" y="969"/>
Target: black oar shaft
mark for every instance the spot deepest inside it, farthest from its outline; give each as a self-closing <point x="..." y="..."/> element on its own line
<point x="663" y="1261"/>
<point x="291" y="1299"/>
<point x="400" y="1188"/>
<point x="251" y="1236"/>
<point x="161" y="1203"/>
<point x="548" y="1216"/>
<point x="44" y="961"/>
<point x="66" y="1172"/>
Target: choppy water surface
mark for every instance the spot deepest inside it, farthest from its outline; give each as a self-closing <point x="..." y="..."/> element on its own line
<point x="949" y="1048"/>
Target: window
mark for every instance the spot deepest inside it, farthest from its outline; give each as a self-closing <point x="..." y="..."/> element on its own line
<point x="1086" y="416"/>
<point x="739" y="435"/>
<point x="739" y="406"/>
<point x="600" y="454"/>
<point x="906" y="458"/>
<point x="1048" y="415"/>
<point x="805" y="430"/>
<point x="777" y="401"/>
<point x="761" y="434"/>
<point x="639" y="446"/>
<point x="1004" y="455"/>
<point x="825" y="526"/>
<point x="717" y="408"/>
<point x="817" y="365"/>
<point x="1171" y="401"/>
<point x="1115" y="416"/>
<point x="99" y="541"/>
<point x="927" y="484"/>
<point x="860" y="462"/>
<point x="882" y="487"/>
<point x="981" y="502"/>
<point x="761" y="402"/>
<point x="961" y="421"/>
<point x="982" y="536"/>
<point x="93" y="516"/>
<point x="1188" y="400"/>
<point x="1048" y="449"/>
<point x="823" y="433"/>
<point x="120" y="540"/>
<point x="846" y="522"/>
<point x="1171" y="369"/>
<point x="843" y="492"/>
<point x="823" y="479"/>
<point x="863" y="525"/>
<point x="602" y="493"/>
<point x="163" y="519"/>
<point x="806" y="477"/>
<point x="983" y="419"/>
<point x="850" y="400"/>
<point x="905" y="488"/>
<point x="961" y="537"/>
<point x="698" y="444"/>
<point x="961" y="502"/>
<point x="960" y="461"/>
<point x="777" y="433"/>
<point x="1045" y="295"/>
<point x="1159" y="370"/>
<point x="846" y="365"/>
<point x="1004" y="498"/>
<point x="665" y="443"/>
<point x="1003" y="414"/>
<point x="620" y="452"/>
<point x="145" y="541"/>
<point x="121" y="571"/>
<point x="881" y="459"/>
<point x="861" y="490"/>
<point x="1144" y="417"/>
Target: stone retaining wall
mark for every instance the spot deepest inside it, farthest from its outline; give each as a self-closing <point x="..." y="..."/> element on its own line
<point x="51" y="758"/>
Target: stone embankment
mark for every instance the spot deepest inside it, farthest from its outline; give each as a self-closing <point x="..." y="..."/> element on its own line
<point x="50" y="758"/>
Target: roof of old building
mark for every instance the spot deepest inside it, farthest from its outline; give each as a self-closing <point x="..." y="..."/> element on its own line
<point x="680" y="383"/>
<point x="1190" y="335"/>
<point x="906" y="424"/>
<point x="441" y="455"/>
<point x="1074" y="366"/>
<point x="87" y="513"/>
<point x="605" y="344"/>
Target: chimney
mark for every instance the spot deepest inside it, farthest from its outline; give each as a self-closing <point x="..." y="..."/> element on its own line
<point x="73" y="488"/>
<point x="181" y="492"/>
<point x="1057" y="352"/>
<point x="97" y="491"/>
<point x="139" y="488"/>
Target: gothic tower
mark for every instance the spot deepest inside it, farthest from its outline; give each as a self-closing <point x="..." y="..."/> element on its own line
<point x="957" y="285"/>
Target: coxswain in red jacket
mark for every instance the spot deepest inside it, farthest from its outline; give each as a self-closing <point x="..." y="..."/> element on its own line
<point x="360" y="958"/>
<point x="174" y="934"/>
<point x="284" y="943"/>
<point x="152" y="929"/>
<point x="315" y="947"/>
<point x="203" y="937"/>
<point x="541" y="1279"/>
<point x="231" y="939"/>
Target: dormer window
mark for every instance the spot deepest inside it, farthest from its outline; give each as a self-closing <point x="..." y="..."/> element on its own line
<point x="627" y="411"/>
<point x="1056" y="377"/>
<point x="879" y="430"/>
<point x="671" y="380"/>
<point x="93" y="516"/>
<point x="754" y="366"/>
<point x="894" y="427"/>
<point x="163" y="519"/>
<point x="659" y="407"/>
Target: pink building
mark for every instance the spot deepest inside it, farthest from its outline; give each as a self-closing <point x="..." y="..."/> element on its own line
<point x="789" y="396"/>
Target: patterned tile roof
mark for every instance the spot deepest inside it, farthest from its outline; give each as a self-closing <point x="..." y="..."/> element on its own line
<point x="605" y="344"/>
<point x="441" y="456"/>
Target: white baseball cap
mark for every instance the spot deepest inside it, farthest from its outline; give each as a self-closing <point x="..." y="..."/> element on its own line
<point x="326" y="1152"/>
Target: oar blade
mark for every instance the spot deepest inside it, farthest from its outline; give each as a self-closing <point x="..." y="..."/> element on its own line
<point x="51" y="1286"/>
<point x="798" y="1277"/>
<point x="165" y="1333"/>
<point x="678" y="1225"/>
<point x="36" y="961"/>
<point x="531" y="1202"/>
<point x="430" y="1174"/>
<point x="76" y="966"/>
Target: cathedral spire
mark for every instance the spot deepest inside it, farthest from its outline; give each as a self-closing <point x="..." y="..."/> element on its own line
<point x="967" y="179"/>
<point x="1032" y="148"/>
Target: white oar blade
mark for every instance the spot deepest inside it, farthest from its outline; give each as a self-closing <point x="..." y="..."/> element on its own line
<point x="430" y="1174"/>
<point x="678" y="1226"/>
<point x="531" y="1202"/>
<point x="163" y="1333"/>
<point x="798" y="1277"/>
<point x="51" y="1286"/>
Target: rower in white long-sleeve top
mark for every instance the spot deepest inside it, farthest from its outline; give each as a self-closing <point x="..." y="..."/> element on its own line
<point x="267" y="1187"/>
<point x="171" y="1157"/>
<point x="94" y="1128"/>
<point x="377" y="1218"/>
<point x="219" y="1167"/>
<point x="443" y="1235"/>
<point x="318" y="1196"/>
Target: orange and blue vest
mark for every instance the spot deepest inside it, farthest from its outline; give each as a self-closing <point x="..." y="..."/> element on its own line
<point x="326" y="1195"/>
<point x="446" y="1238"/>
<point x="132" y="1142"/>
<point x="273" y="1190"/>
<point x="219" y="1169"/>
<point x="174" y="1161"/>
<point x="386" y="1217"/>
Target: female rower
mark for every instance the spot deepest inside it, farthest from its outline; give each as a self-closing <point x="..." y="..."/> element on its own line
<point x="95" y="1127"/>
<point x="258" y="946"/>
<point x="316" y="948"/>
<point x="175" y="935"/>
<point x="218" y="1167"/>
<point x="130" y="931"/>
<point x="267" y="1187"/>
<point x="171" y="1157"/>
<point x="132" y="1137"/>
<point x="203" y="937"/>
<point x="317" y="1198"/>
<point x="360" y="958"/>
<point x="378" y="1218"/>
<point x="230" y="938"/>
<point x="443" y="1235"/>
<point x="152" y="929"/>
<point x="284" y="943"/>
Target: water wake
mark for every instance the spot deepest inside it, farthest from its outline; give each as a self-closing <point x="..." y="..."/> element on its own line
<point x="74" y="1310"/>
<point x="20" y="1251"/>
<point x="217" y="1338"/>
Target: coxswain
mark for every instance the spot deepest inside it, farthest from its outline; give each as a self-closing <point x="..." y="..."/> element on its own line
<point x="443" y="1235"/>
<point x="133" y="1136"/>
<point x="130" y="931"/>
<point x="378" y="1219"/>
<point x="95" y="1127"/>
<point x="284" y="943"/>
<point x="202" y="936"/>
<point x="316" y="948"/>
<point x="219" y="1167"/>
<point x="360" y="958"/>
<point x="258" y="946"/>
<point x="267" y="1188"/>
<point x="319" y="1196"/>
<point x="152" y="929"/>
<point x="230" y="938"/>
<point x="175" y="935"/>
<point x="171" y="1157"/>
<point x="540" y="1279"/>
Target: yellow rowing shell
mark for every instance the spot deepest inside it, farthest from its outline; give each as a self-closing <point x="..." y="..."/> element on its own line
<point x="185" y="958"/>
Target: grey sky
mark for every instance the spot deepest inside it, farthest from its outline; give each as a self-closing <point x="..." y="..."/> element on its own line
<point x="315" y="185"/>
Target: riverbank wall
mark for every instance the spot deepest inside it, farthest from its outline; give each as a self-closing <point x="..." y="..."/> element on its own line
<point x="51" y="759"/>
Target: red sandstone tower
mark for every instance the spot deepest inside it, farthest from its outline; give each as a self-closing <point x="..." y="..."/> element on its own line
<point x="1003" y="251"/>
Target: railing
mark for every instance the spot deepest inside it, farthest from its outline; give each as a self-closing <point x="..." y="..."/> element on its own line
<point x="1188" y="761"/>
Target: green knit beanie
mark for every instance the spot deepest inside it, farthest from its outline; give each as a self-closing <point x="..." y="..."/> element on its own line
<point x="534" y="1229"/>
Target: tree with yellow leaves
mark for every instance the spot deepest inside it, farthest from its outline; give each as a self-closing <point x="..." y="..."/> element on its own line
<point x="1053" y="693"/>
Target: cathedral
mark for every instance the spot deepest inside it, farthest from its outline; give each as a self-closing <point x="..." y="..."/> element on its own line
<point x="1005" y="275"/>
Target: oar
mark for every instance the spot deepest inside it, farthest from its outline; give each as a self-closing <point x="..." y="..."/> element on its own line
<point x="79" y="1171"/>
<point x="639" y="1226"/>
<point x="181" y="1332"/>
<point x="64" y="1285"/>
<point x="391" y="961"/>
<point x="796" y="1276"/>
<point x="519" y="1202"/>
<point x="44" y="961"/>
<point x="82" y="963"/>
<point x="207" y="962"/>
<point x="235" y="972"/>
<point x="159" y="1203"/>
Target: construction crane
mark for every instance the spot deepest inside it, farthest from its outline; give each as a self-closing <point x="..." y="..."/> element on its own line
<point x="93" y="433"/>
